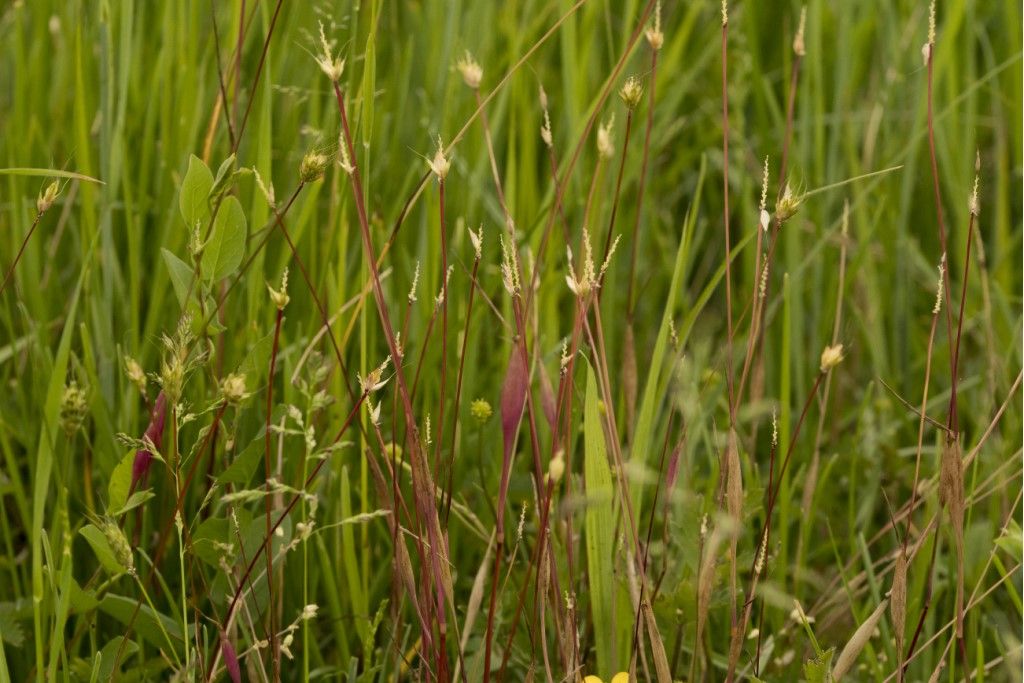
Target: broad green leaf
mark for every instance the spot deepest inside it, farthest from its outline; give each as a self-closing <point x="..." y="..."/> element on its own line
<point x="241" y="468"/>
<point x="224" y="176"/>
<point x="600" y="529"/>
<point x="120" y="482"/>
<point x="181" y="275"/>
<point x="145" y="622"/>
<point x="226" y="247"/>
<point x="101" y="547"/>
<point x="195" y="189"/>
<point x="109" y="655"/>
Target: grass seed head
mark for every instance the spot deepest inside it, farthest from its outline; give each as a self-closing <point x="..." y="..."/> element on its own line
<point x="233" y="388"/>
<point x="605" y="147"/>
<point x="279" y="297"/>
<point x="312" y="167"/>
<point x="631" y="92"/>
<point x="333" y="67"/>
<point x="440" y="164"/>
<point x="788" y="204"/>
<point x="47" y="197"/>
<point x="74" y="407"/>
<point x="655" y="38"/>
<point x="831" y="357"/>
<point x="133" y="371"/>
<point x="471" y="71"/>
<point x="798" y="40"/>
<point x="939" y="287"/>
<point x="118" y="544"/>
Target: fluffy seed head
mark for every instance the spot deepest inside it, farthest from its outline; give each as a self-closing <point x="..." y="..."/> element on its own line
<point x="631" y="92"/>
<point x="233" y="388"/>
<point x="509" y="267"/>
<point x="374" y="379"/>
<point x="440" y="164"/>
<point x="312" y="167"/>
<point x="972" y="202"/>
<point x="798" y="41"/>
<point x="938" y="288"/>
<point x="477" y="238"/>
<point x="332" y="66"/>
<point x="344" y="160"/>
<point x="134" y="372"/>
<point x="605" y="148"/>
<point x="655" y="38"/>
<point x="471" y="71"/>
<point x="556" y="468"/>
<point x="831" y="357"/>
<point x="415" y="283"/>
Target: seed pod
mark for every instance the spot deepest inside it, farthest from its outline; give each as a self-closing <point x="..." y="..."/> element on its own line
<point x="857" y="642"/>
<point x="227" y="651"/>
<point x="155" y="434"/>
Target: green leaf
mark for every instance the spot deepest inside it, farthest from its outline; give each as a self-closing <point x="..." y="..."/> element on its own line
<point x="224" y="176"/>
<point x="223" y="253"/>
<point x="10" y="630"/>
<point x="819" y="669"/>
<point x="109" y="655"/>
<point x="241" y="468"/>
<point x="137" y="499"/>
<point x="101" y="547"/>
<point x="120" y="482"/>
<point x="49" y="173"/>
<point x="600" y="528"/>
<point x="145" y="620"/>
<point x="195" y="189"/>
<point x="181" y="275"/>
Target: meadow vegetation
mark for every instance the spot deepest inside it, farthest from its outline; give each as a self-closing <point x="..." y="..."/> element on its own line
<point x="543" y="340"/>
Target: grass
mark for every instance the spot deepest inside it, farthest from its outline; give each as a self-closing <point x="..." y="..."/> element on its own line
<point x="748" y="441"/>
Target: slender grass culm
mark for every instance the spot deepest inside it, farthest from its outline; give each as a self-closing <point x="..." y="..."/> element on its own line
<point x="479" y="342"/>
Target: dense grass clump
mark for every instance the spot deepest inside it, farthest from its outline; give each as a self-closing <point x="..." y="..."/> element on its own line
<point x="542" y="340"/>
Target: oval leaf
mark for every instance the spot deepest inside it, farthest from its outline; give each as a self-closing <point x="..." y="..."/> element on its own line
<point x="223" y="253"/>
<point x="195" y="189"/>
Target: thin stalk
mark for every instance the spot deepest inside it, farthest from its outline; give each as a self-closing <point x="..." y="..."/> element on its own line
<point x="274" y="645"/>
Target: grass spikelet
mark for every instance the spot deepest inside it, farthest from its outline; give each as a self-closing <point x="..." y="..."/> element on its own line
<point x="857" y="642"/>
<point x="951" y="495"/>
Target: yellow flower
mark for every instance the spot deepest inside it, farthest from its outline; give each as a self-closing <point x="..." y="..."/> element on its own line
<point x="621" y="677"/>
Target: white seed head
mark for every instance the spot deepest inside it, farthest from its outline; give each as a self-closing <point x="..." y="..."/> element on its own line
<point x="939" y="286"/>
<point x="477" y="239"/>
<point x="510" y="267"/>
<point x="309" y="612"/>
<point x="344" y="159"/>
<point x="266" y="188"/>
<point x="556" y="468"/>
<point x="972" y="203"/>
<point x="725" y="12"/>
<point x="545" y="130"/>
<point x="831" y="357"/>
<point x="471" y="71"/>
<point x="764" y="186"/>
<point x="415" y="283"/>
<point x="439" y="299"/>
<point x="931" y="23"/>
<point x="605" y="148"/>
<point x="440" y="164"/>
<point x="655" y="38"/>
<point x="631" y="92"/>
<point x="798" y="41"/>
<point x="374" y="380"/>
<point x="374" y="411"/>
<point x="332" y="66"/>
